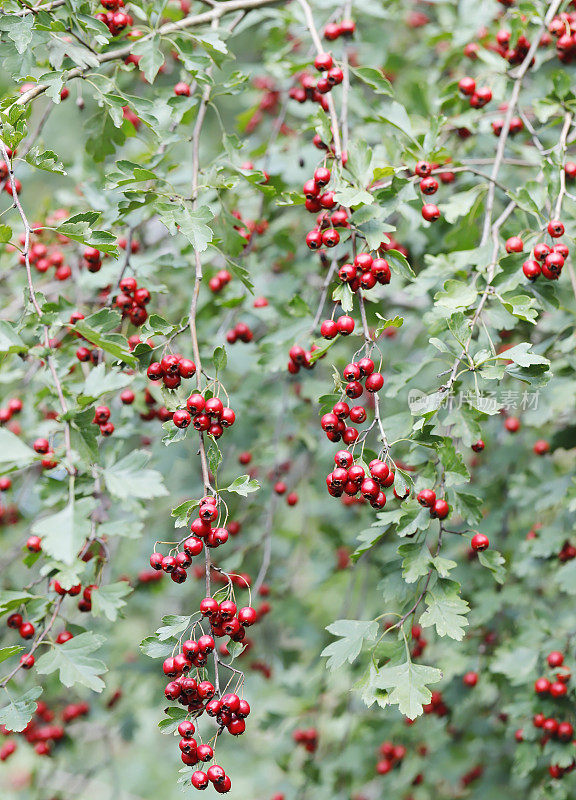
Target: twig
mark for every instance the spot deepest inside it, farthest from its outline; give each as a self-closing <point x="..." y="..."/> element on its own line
<point x="331" y="108"/>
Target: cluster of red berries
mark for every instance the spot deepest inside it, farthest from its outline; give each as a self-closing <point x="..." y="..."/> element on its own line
<point x="116" y="21"/>
<point x="281" y="488"/>
<point x="92" y="259"/>
<point x="202" y="533"/>
<point x="268" y="104"/>
<point x="391" y="755"/>
<point x="354" y="373"/>
<point x="102" y="419"/>
<point x="43" y="736"/>
<point x="552" y="728"/>
<point x="334" y="30"/>
<point x="171" y="369"/>
<point x="436" y="706"/>
<point x="420" y="643"/>
<point x="558" y="686"/>
<point x="219" y="281"/>
<point x="42" y="447"/>
<point x="85" y="602"/>
<point x="230" y="711"/>
<point x="301" y="358"/>
<point x="478" y="96"/>
<point x="350" y="479"/>
<point x="439" y="509"/>
<point x="307" y="738"/>
<point x="329" y="329"/>
<point x="547" y="260"/>
<point x="324" y="234"/>
<point x="313" y="89"/>
<point x="428" y="185"/>
<point x="44" y="255"/>
<point x="365" y="272"/>
<point x="248" y="228"/>
<point x="563" y="28"/>
<point x="205" y="415"/>
<point x="14" y="406"/>
<point x="132" y="301"/>
<point x="240" y="332"/>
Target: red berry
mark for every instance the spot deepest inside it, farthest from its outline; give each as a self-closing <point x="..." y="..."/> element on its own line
<point x="479" y="542"/>
<point x="430" y="212"/>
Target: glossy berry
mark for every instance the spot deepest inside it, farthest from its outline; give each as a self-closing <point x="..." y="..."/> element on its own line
<point x="329" y="329"/>
<point x="440" y="509"/>
<point x="512" y="424"/>
<point x="345" y="325"/>
<point x="426" y="498"/>
<point x="374" y="382"/>
<point x="479" y="542"/>
<point x="430" y="212"/>
<point x="555" y="228"/>
<point x="470" y="679"/>
<point x="467" y="86"/>
<point x="531" y="269"/>
<point x="514" y="245"/>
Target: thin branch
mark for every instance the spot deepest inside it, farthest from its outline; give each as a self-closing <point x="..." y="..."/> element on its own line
<point x="319" y="49"/>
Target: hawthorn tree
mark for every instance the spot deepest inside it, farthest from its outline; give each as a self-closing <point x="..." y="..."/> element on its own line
<point x="287" y="399"/>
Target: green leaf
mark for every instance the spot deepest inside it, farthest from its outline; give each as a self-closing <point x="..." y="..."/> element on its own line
<point x="406" y="686"/>
<point x="129" y="478"/>
<point x="154" y="648"/>
<point x="220" y="359"/>
<point x="495" y="561"/>
<point x="173" y="718"/>
<point x="107" y="600"/>
<point x="10" y="341"/>
<point x="46" y="160"/>
<point x="20" y="710"/>
<point x="5" y="234"/>
<point x="375" y="79"/>
<point x="352" y="635"/>
<point x="151" y="59"/>
<point x="445" y="610"/>
<point x="343" y="294"/>
<point x="243" y="486"/>
<point x="101" y="380"/>
<point x="521" y="306"/>
<point x="74" y="662"/>
<point x="192" y="224"/>
<point x="64" y="533"/>
<point x="14" y="451"/>
<point x="8" y="652"/>
<point x="399" y="264"/>
<point x="397" y="322"/>
<point x="10" y="600"/>
<point x="174" y="624"/>
<point x="460" y="204"/>
<point x="113" y="343"/>
<point x="456" y="294"/>
<point x="520" y="354"/>
<point x="415" y="561"/>
<point x="19" y="29"/>
<point x="214" y="457"/>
